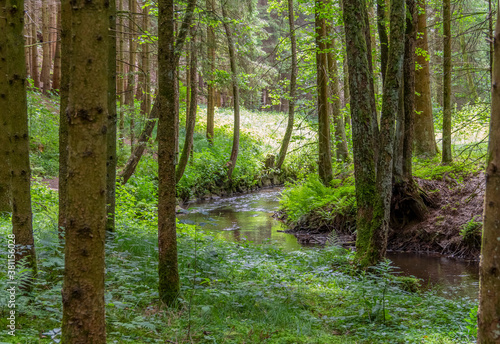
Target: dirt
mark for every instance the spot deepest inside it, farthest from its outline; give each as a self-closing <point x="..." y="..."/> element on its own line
<point x="456" y="203"/>
<point x="52" y="183"/>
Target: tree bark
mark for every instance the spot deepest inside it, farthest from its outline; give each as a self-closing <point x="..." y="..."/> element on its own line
<point x="384" y="39"/>
<point x="447" y="157"/>
<point x="87" y="112"/>
<point x="46" y="61"/>
<point x="425" y="139"/>
<point x="4" y="139"/>
<point x="191" y="118"/>
<point x="489" y="277"/>
<point x="111" y="120"/>
<point x="121" y="80"/>
<point x="16" y="117"/>
<point x="236" y="95"/>
<point x="293" y="87"/>
<point x="56" y="75"/>
<point x="132" y="46"/>
<point x="324" y="150"/>
<point x="211" y="72"/>
<point x="34" y="48"/>
<point x="146" y="80"/>
<point x="169" y="50"/>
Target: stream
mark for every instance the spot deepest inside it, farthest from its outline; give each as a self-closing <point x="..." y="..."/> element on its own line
<point x="249" y="217"/>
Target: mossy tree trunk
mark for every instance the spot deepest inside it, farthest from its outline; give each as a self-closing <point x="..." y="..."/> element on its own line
<point x="211" y="71"/>
<point x="169" y="49"/>
<point x="87" y="112"/>
<point x="324" y="149"/>
<point x="489" y="269"/>
<point x="424" y="139"/>
<point x="4" y="139"/>
<point x="236" y="94"/>
<point x="293" y="87"/>
<point x="382" y="34"/>
<point x="111" y="121"/>
<point x="447" y="157"/>
<point x="193" y="106"/>
<point x="373" y="187"/>
<point x="18" y="135"/>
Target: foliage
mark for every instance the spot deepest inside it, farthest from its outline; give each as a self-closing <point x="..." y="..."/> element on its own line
<point x="471" y="233"/>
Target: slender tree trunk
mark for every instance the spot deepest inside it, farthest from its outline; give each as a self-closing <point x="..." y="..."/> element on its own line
<point x="53" y="8"/>
<point x="293" y="87"/>
<point x="236" y="95"/>
<point x="34" y="48"/>
<point x="324" y="150"/>
<point x="56" y="76"/>
<point x="146" y="82"/>
<point x="132" y="70"/>
<point x="87" y="111"/>
<point x="342" y="152"/>
<point x="111" y="120"/>
<point x="447" y="157"/>
<point x="489" y="278"/>
<point x="141" y="144"/>
<point x="4" y="139"/>
<point x="491" y="44"/>
<point x="168" y="58"/>
<point x="425" y="140"/>
<point x="121" y="79"/>
<point x="63" y="118"/>
<point x="210" y="80"/>
<point x="382" y="34"/>
<point x="45" y="47"/>
<point x="16" y="117"/>
<point x="191" y="118"/>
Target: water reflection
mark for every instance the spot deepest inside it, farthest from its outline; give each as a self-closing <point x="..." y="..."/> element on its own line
<point x="249" y="217"/>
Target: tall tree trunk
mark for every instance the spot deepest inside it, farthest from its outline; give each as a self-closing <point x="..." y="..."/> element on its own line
<point x="141" y="144"/>
<point x="425" y="140"/>
<point x="293" y="87"/>
<point x="87" y="111"/>
<point x="489" y="278"/>
<point x="341" y="150"/>
<point x="121" y="80"/>
<point x="34" y="47"/>
<point x="4" y="139"/>
<point x="63" y="115"/>
<point x="211" y="71"/>
<point x="447" y="157"/>
<point x="382" y="34"/>
<point x="111" y="120"/>
<point x="324" y="150"/>
<point x="18" y="135"/>
<point x="373" y="188"/>
<point x="236" y="95"/>
<point x="45" y="47"/>
<point x="146" y="81"/>
<point x="168" y="58"/>
<point x="56" y="75"/>
<point x="132" y="46"/>
<point x="191" y="117"/>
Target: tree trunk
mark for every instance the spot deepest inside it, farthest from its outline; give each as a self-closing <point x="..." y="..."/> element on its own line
<point x="342" y="152"/>
<point x="168" y="58"/>
<point x="45" y="47"/>
<point x="63" y="115"/>
<point x="87" y="111"/>
<point x="111" y="121"/>
<point x="132" y="46"/>
<point x="121" y="80"/>
<point x="236" y="95"/>
<point x="191" y="117"/>
<point x="382" y="34"/>
<point x="373" y="189"/>
<point x="447" y="157"/>
<point x="4" y="139"/>
<point x="146" y="80"/>
<point x="489" y="277"/>
<point x="56" y="76"/>
<point x="141" y="144"/>
<point x="34" y="48"/>
<point x="425" y="140"/>
<point x="18" y="135"/>
<point x="211" y="73"/>
<point x="293" y="87"/>
<point x="324" y="150"/>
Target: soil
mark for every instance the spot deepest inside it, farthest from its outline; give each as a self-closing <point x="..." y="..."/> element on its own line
<point x="52" y="183"/>
<point x="456" y="204"/>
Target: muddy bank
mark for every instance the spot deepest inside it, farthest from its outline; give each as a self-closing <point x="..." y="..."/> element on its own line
<point x="451" y="228"/>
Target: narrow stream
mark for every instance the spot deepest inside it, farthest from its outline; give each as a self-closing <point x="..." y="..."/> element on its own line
<point x="249" y="217"/>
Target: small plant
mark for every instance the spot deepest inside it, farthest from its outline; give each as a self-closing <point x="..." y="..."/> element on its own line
<point x="471" y="233"/>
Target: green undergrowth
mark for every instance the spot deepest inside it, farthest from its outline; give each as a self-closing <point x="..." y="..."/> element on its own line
<point x="231" y="292"/>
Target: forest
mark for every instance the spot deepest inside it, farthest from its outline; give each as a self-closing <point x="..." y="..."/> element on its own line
<point x="267" y="171"/>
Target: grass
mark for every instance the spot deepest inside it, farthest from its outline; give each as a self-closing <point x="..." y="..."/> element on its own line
<point x="231" y="293"/>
